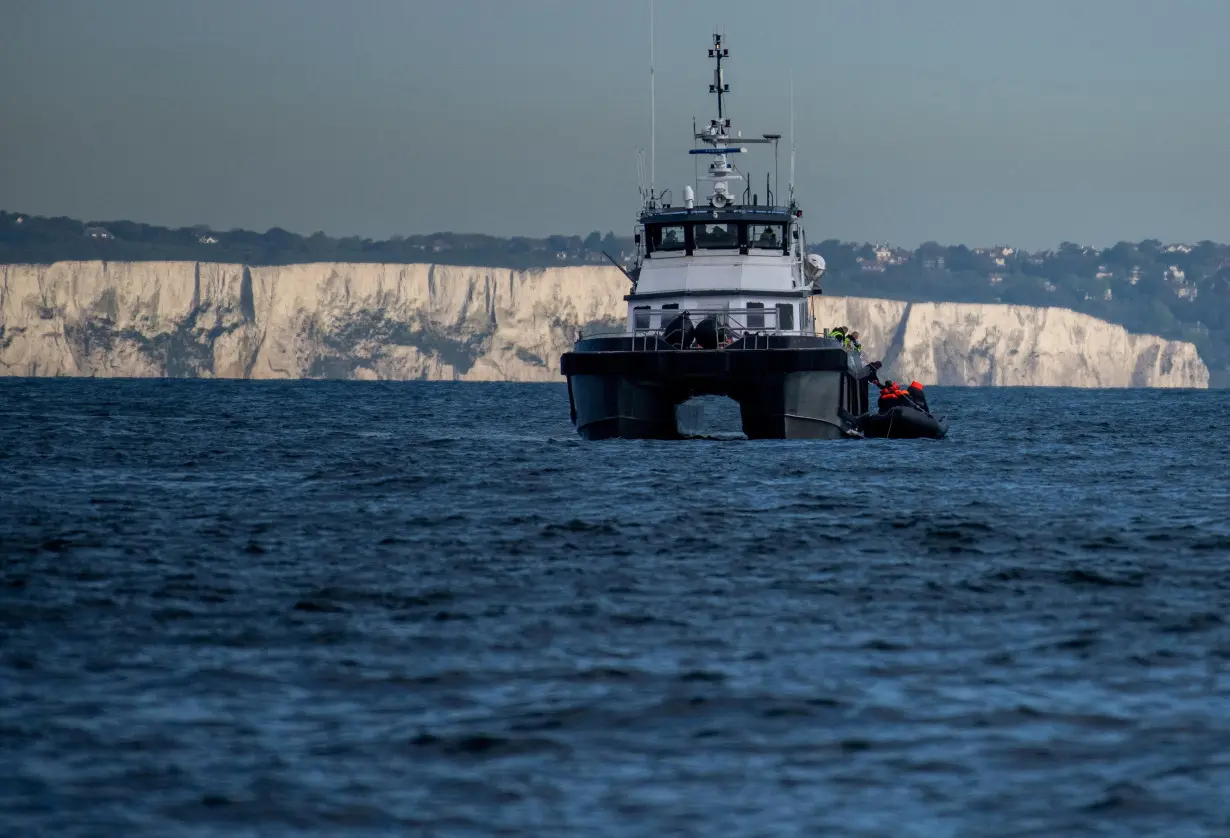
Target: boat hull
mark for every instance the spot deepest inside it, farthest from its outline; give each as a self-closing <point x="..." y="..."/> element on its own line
<point x="794" y="388"/>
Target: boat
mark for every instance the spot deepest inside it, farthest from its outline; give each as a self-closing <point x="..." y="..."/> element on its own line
<point x="903" y="422"/>
<point x="719" y="306"/>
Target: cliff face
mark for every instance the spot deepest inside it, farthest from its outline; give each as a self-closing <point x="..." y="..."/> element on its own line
<point x="299" y="321"/>
<point x="442" y="322"/>
<point x="1004" y="345"/>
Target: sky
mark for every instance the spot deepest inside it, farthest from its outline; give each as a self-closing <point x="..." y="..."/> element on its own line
<point x="961" y="121"/>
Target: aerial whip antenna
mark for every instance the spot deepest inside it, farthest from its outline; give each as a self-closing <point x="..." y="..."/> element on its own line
<point x="695" y="159"/>
<point x="653" y="111"/>
<point x="791" y="51"/>
<point x="640" y="173"/>
<point x="792" y="136"/>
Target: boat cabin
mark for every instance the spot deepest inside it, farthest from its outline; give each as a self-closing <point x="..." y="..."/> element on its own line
<point x="739" y="264"/>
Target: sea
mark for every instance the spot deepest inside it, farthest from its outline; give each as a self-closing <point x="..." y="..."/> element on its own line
<point x="430" y="609"/>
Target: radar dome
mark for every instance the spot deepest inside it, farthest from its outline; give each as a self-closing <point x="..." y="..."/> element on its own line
<point x="815" y="266"/>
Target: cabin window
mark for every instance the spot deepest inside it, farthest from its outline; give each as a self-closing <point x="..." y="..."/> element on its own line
<point x="755" y="315"/>
<point x="766" y="236"/>
<point x="640" y="317"/>
<point x="667" y="237"/>
<point x="717" y="236"/>
<point x="785" y="317"/>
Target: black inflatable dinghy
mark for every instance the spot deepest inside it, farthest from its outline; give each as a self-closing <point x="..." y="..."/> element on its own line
<point x="902" y="423"/>
<point x="679" y="331"/>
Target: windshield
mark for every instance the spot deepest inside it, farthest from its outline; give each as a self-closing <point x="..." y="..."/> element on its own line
<point x="667" y="237"/>
<point x="717" y="236"/>
<point x="765" y="236"/>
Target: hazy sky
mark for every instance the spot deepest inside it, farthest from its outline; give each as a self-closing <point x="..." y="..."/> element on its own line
<point x="976" y="121"/>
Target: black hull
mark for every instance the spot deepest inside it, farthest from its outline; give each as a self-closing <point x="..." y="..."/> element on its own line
<point x="902" y="423"/>
<point x="787" y="387"/>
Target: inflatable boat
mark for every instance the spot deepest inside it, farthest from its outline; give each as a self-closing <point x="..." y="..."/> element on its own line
<point x="902" y="423"/>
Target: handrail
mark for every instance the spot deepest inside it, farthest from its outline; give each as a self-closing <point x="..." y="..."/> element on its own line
<point x="752" y="319"/>
<point x="737" y="324"/>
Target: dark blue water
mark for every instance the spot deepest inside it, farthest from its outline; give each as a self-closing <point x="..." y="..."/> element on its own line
<point x="428" y="609"/>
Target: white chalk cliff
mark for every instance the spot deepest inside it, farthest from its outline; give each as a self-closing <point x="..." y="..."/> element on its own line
<point x="978" y="344"/>
<point x="139" y="319"/>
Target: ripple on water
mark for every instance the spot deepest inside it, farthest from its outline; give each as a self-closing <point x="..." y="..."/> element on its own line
<point x="265" y="608"/>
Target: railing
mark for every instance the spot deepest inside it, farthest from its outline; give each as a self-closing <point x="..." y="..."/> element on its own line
<point x="706" y="328"/>
<point x="731" y="327"/>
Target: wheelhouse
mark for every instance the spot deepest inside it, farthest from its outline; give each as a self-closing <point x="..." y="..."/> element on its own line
<point x="704" y="231"/>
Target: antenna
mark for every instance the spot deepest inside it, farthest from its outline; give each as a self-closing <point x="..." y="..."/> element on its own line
<point x="653" y="113"/>
<point x="791" y="52"/>
<point x="792" y="136"/>
<point x="640" y="172"/>
<point x="695" y="159"/>
<point x="777" y="181"/>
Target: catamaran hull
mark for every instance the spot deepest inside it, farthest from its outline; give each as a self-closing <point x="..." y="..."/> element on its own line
<point x="782" y="393"/>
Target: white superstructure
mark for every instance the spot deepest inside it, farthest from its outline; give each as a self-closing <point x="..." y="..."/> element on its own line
<point x="726" y="255"/>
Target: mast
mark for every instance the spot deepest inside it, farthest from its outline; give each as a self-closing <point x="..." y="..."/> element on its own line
<point x="717" y="135"/>
<point x="719" y="86"/>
